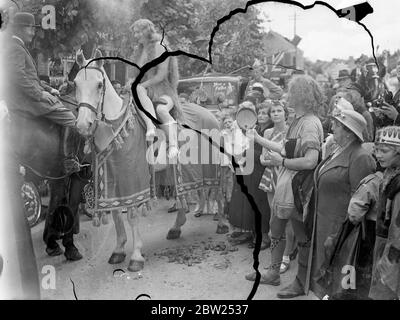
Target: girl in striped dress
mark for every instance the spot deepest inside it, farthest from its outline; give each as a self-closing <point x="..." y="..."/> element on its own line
<point x="278" y="114"/>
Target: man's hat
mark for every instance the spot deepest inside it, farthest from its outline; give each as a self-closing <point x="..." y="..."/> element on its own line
<point x="258" y="87"/>
<point x="343" y="74"/>
<point x="370" y="62"/>
<point x="25" y="19"/>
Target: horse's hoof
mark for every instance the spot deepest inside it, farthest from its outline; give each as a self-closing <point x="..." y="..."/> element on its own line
<point x="222" y="229"/>
<point x="135" y="266"/>
<point x="173" y="234"/>
<point x="116" y="258"/>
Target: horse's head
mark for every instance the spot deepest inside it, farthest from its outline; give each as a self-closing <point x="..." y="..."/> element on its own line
<point x="90" y="83"/>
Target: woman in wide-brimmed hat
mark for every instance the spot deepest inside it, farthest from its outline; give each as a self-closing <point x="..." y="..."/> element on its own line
<point x="336" y="179"/>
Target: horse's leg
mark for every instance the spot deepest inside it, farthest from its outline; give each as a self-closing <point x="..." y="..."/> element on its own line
<point x="118" y="254"/>
<point x="175" y="231"/>
<point x="185" y="202"/>
<point x="136" y="262"/>
<point x="213" y="198"/>
<point x="202" y="203"/>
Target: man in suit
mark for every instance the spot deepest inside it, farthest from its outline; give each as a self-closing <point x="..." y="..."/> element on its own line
<point x="26" y="93"/>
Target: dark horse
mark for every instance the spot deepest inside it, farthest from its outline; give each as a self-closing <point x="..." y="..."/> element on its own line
<point x="37" y="144"/>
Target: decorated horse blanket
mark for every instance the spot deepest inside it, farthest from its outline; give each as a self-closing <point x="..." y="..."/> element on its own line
<point x="121" y="171"/>
<point x="203" y="170"/>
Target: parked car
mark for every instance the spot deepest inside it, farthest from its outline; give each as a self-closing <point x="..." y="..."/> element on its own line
<point x="205" y="90"/>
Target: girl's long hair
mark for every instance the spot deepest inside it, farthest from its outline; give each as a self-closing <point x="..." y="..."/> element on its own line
<point x="305" y="92"/>
<point x="173" y="69"/>
<point x="154" y="37"/>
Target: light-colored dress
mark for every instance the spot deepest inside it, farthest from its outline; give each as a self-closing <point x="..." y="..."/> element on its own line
<point x="307" y="129"/>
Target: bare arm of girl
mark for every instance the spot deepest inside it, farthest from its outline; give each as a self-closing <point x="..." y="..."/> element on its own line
<point x="162" y="69"/>
<point x="274" y="146"/>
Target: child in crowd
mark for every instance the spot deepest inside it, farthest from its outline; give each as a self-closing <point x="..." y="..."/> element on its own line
<point x="227" y="132"/>
<point x="385" y="283"/>
<point x="278" y="115"/>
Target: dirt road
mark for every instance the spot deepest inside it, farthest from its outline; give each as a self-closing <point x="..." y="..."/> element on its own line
<point x="211" y="275"/>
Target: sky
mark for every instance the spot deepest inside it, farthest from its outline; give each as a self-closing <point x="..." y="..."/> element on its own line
<point x="325" y="36"/>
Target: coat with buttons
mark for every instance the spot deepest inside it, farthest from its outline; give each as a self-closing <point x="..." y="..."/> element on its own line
<point x="24" y="88"/>
<point x="335" y="182"/>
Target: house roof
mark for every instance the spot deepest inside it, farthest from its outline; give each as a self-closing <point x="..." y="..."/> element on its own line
<point x="274" y="43"/>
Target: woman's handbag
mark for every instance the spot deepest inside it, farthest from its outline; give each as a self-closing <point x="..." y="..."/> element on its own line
<point x="340" y="271"/>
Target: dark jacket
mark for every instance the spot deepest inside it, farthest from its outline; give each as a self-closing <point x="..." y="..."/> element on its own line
<point x="335" y="183"/>
<point x="24" y="88"/>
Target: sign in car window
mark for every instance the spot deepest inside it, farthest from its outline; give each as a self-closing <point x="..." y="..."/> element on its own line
<point x="206" y="93"/>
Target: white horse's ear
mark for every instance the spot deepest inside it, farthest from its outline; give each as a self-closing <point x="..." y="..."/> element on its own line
<point x="80" y="58"/>
<point x="98" y="54"/>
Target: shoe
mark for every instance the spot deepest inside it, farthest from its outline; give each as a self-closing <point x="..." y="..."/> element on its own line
<point x="244" y="238"/>
<point x="173" y="208"/>
<point x="284" y="267"/>
<point x="295" y="289"/>
<point x="72" y="253"/>
<point x="236" y="234"/>
<point x="263" y="246"/>
<point x="198" y="214"/>
<point x="271" y="277"/>
<point x="53" y="252"/>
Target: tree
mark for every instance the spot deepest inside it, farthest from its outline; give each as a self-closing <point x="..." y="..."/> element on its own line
<point x="82" y="21"/>
<point x="188" y="25"/>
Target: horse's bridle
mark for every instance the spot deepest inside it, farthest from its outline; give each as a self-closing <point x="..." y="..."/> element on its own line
<point x="99" y="111"/>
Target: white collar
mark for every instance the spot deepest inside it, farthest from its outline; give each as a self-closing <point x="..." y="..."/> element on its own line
<point x="18" y="38"/>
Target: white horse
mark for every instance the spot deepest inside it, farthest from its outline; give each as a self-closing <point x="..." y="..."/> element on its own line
<point x="98" y="101"/>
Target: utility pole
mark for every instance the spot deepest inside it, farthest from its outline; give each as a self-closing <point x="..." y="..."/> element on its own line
<point x="295" y="26"/>
<point x="295" y="22"/>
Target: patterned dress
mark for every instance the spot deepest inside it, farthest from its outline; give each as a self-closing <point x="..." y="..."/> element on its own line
<point x="270" y="176"/>
<point x="307" y="129"/>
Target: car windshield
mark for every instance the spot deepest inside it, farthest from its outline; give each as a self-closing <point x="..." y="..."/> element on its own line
<point x="207" y="92"/>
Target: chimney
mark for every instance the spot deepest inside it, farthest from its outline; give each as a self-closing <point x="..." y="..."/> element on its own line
<point x="296" y="40"/>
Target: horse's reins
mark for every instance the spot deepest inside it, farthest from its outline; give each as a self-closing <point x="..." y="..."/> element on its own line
<point x="99" y="111"/>
<point x="68" y="101"/>
<point x="43" y="176"/>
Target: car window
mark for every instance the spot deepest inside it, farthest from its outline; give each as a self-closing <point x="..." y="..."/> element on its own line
<point x="206" y="93"/>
